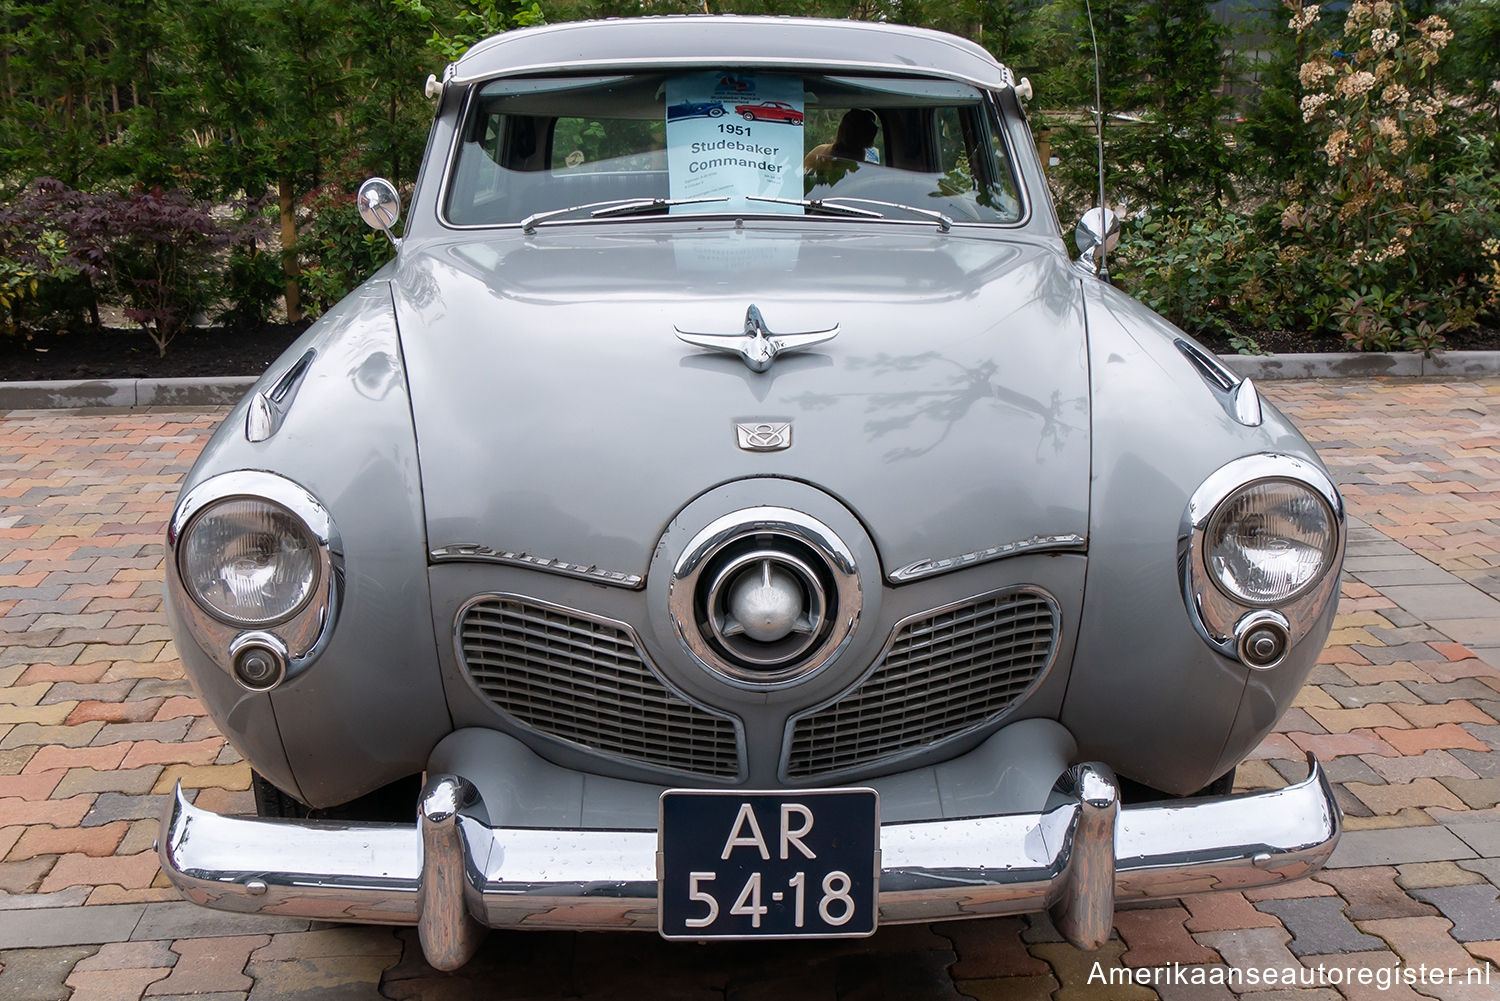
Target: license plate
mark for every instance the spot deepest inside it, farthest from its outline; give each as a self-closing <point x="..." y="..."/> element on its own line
<point x="734" y="864"/>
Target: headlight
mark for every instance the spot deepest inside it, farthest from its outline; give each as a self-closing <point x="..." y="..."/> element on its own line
<point x="1270" y="542"/>
<point x="249" y="561"/>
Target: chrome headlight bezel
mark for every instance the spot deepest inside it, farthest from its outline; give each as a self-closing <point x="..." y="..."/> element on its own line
<point x="1219" y="614"/>
<point x="302" y="631"/>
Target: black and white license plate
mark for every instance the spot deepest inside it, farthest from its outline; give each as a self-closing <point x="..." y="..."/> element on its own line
<point x="735" y="864"/>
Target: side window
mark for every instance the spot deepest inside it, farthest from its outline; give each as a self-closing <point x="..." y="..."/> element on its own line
<point x="586" y="145"/>
<point x="953" y="150"/>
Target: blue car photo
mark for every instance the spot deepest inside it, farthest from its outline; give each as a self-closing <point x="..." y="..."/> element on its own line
<point x="695" y="109"/>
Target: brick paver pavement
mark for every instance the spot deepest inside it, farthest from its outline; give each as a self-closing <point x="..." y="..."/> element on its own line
<point x="96" y="724"/>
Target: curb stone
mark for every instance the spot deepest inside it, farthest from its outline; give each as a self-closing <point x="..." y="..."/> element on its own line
<point x="79" y="394"/>
<point x="86" y="393"/>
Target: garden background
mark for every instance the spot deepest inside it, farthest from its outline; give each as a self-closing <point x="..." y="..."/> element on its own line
<point x="177" y="178"/>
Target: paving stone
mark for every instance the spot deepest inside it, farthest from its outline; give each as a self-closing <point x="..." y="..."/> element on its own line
<point x="1252" y="948"/>
<point x="1487" y="868"/>
<point x="129" y="955"/>
<point x="1333" y="745"/>
<point x="1344" y="720"/>
<point x="1415" y="874"/>
<point x="113" y="985"/>
<point x="1425" y="942"/>
<point x="883" y="975"/>
<point x="998" y="989"/>
<point x="127" y="782"/>
<point x="1358" y="696"/>
<point x="1485" y="764"/>
<point x="1371" y="892"/>
<point x="74" y="896"/>
<point x="181" y="920"/>
<point x="211" y="964"/>
<point x="36" y="974"/>
<point x="1473" y="909"/>
<point x="109" y="807"/>
<point x="1039" y="929"/>
<point x="1194" y="983"/>
<point x="1484" y="838"/>
<point x="1397" y="846"/>
<point x="133" y="871"/>
<point x="1478" y="794"/>
<point x="1391" y="797"/>
<point x="1156" y="937"/>
<point x="41" y="928"/>
<point x="1441" y="601"/>
<point x="166" y="732"/>
<point x="1457" y="711"/>
<point x="96" y="841"/>
<point x="1448" y="735"/>
<point x="35" y="734"/>
<point x="1318" y="926"/>
<point x="1346" y="972"/>
<point x="1489" y="735"/>
<point x="356" y="940"/>
<point x="991" y="948"/>
<point x="1087" y="976"/>
<point x="1468" y="688"/>
<point x="1430" y="764"/>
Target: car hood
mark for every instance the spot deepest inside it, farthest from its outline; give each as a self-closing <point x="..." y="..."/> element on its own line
<point x="558" y="415"/>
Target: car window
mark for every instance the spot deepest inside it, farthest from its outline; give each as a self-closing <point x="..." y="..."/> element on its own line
<point x="715" y="140"/>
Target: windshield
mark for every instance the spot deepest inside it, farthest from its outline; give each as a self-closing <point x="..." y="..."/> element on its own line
<point x="709" y="142"/>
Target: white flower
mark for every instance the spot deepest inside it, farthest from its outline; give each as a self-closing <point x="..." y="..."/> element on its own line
<point x="1356" y="84"/>
<point x="1304" y="18"/>
<point x="1312" y="103"/>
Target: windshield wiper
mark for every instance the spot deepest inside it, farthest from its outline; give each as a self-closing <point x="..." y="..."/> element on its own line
<point x="616" y="207"/>
<point x="818" y="206"/>
<point x="944" y="221"/>
<point x="834" y="206"/>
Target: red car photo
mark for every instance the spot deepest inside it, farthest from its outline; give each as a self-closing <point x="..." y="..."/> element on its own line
<point x="769" y="111"/>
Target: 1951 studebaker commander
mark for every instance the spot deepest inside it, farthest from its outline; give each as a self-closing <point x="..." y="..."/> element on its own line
<point x="740" y="526"/>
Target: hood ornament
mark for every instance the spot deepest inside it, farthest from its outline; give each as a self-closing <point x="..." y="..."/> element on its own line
<point x="757" y="346"/>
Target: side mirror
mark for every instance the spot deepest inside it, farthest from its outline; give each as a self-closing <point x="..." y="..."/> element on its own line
<point x="380" y="206"/>
<point x="1097" y="235"/>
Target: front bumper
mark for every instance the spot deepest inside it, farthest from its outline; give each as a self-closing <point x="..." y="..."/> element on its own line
<point x="453" y="875"/>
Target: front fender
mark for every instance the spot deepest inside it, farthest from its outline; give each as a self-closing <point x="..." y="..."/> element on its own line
<point x="1159" y="430"/>
<point x="373" y="696"/>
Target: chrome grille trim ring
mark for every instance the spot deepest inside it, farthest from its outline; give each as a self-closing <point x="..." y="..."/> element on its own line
<point x="583" y="679"/>
<point x="807" y="553"/>
<point x="944" y="673"/>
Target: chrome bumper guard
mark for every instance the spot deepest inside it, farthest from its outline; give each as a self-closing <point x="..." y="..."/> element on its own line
<point x="454" y="876"/>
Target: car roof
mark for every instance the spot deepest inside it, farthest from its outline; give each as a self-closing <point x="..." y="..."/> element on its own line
<point x="723" y="40"/>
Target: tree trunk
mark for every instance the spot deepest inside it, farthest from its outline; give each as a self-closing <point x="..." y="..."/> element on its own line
<point x="289" y="264"/>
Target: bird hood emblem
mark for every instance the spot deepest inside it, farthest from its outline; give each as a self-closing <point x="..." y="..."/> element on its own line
<point x="757" y="346"/>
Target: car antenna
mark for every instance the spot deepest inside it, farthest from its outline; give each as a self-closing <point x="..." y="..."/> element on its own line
<point x="1099" y="132"/>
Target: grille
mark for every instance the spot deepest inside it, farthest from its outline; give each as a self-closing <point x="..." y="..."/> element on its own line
<point x="584" y="681"/>
<point x="943" y="674"/>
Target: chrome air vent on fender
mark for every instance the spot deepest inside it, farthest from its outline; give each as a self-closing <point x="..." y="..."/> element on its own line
<point x="584" y="680"/>
<point x="944" y="673"/>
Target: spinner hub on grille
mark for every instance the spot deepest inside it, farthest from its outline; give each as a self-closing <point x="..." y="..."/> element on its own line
<point x="765" y="597"/>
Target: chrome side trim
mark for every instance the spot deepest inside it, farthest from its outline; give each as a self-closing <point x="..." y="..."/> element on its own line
<point x="305" y="633"/>
<point x="268" y="409"/>
<point x="473" y="552"/>
<point x="1036" y="544"/>
<point x="1247" y="408"/>
<point x="1239" y="397"/>
<point x="606" y="879"/>
<point x="1213" y="613"/>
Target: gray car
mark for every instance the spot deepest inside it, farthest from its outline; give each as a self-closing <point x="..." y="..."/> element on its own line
<point x="740" y="529"/>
